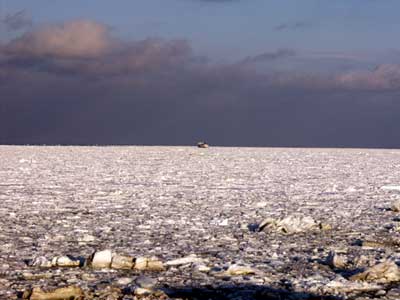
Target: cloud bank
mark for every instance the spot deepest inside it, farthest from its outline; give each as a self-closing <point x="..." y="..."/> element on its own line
<point x="80" y="39"/>
<point x="75" y="83"/>
<point x="384" y="77"/>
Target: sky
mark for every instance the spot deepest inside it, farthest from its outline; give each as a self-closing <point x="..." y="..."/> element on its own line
<point x="309" y="73"/>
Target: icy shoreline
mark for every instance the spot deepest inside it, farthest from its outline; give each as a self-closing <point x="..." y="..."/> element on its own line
<point x="173" y="202"/>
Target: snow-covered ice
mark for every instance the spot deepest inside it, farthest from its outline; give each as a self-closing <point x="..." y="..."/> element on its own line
<point x="172" y="202"/>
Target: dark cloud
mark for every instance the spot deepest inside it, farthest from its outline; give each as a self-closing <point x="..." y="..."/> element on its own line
<point x="217" y="1"/>
<point x="17" y="21"/>
<point x="292" y="26"/>
<point x="58" y="87"/>
<point x="268" y="56"/>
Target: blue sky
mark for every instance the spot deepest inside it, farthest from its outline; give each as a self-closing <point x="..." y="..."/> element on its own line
<point x="236" y="28"/>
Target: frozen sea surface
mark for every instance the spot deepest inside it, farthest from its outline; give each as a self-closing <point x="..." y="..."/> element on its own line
<point x="174" y="201"/>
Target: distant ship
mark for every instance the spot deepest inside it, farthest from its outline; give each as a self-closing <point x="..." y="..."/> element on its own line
<point x="202" y="145"/>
